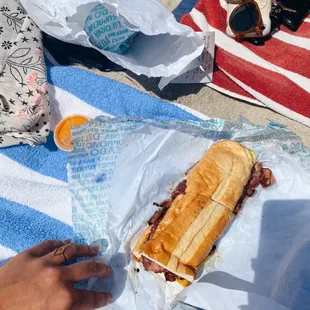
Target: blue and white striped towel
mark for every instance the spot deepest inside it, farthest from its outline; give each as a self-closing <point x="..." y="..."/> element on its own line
<point x="35" y="202"/>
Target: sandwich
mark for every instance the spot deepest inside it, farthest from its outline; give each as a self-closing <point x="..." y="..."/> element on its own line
<point x="183" y="231"/>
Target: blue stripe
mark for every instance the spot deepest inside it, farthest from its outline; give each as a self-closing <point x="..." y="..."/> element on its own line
<point x="183" y="8"/>
<point x="105" y="94"/>
<point x="46" y="158"/>
<point x="113" y="97"/>
<point x="23" y="227"/>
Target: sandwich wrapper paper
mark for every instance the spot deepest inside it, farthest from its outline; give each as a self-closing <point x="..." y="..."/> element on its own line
<point x="119" y="167"/>
<point x="159" y="46"/>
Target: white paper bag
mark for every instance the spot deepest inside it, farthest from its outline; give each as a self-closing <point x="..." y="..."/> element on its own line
<point x="162" y="47"/>
<point x="199" y="70"/>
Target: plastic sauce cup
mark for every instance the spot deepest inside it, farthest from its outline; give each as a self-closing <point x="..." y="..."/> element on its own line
<point x="62" y="134"/>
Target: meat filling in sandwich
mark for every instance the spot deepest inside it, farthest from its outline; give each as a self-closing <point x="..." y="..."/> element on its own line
<point x="182" y="232"/>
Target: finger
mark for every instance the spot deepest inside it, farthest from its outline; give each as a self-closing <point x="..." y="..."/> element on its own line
<point x="70" y="251"/>
<point x="87" y="269"/>
<point x="88" y="300"/>
<point x="45" y="247"/>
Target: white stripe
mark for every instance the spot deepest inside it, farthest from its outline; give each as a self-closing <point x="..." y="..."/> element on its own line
<point x="235" y="95"/>
<point x="6" y="253"/>
<point x="231" y="46"/>
<point x="42" y="193"/>
<point x="191" y="111"/>
<point x="54" y="201"/>
<point x="307" y="20"/>
<point x="64" y="104"/>
<point x="293" y="40"/>
<point x="223" y="4"/>
<point x="9" y="167"/>
<point x="272" y="104"/>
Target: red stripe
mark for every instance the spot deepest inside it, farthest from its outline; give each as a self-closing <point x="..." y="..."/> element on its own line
<point x="284" y="55"/>
<point x="273" y="85"/>
<point x="303" y="30"/>
<point x="220" y="79"/>
<point x="275" y="51"/>
<point x="214" y="13"/>
<point x="188" y="20"/>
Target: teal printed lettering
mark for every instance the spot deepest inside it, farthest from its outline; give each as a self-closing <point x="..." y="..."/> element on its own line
<point x="103" y="43"/>
<point x="95" y="25"/>
<point x="104" y="12"/>
<point x="80" y="150"/>
<point x="103" y="30"/>
<point x="79" y="169"/>
<point x="87" y="161"/>
<point x="89" y="18"/>
<point x="105" y="151"/>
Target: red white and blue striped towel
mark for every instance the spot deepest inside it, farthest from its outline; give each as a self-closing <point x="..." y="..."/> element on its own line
<point x="275" y="75"/>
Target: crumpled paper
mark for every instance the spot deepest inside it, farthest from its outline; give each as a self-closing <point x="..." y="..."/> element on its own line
<point x="162" y="47"/>
<point x="119" y="167"/>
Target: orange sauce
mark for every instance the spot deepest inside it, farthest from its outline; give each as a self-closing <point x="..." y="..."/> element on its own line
<point x="62" y="134"/>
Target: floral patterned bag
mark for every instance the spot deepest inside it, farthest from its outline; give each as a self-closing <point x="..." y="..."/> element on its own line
<point x="24" y="106"/>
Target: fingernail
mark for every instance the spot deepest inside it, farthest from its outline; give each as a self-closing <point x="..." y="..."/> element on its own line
<point x="68" y="241"/>
<point x="94" y="248"/>
<point x="109" y="269"/>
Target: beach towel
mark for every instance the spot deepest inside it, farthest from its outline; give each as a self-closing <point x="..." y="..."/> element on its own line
<point x="35" y="202"/>
<point x="275" y="75"/>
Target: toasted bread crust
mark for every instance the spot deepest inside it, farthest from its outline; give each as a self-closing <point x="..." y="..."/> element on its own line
<point x="196" y="219"/>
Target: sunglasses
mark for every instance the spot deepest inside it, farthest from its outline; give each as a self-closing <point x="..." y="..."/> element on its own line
<point x="246" y="18"/>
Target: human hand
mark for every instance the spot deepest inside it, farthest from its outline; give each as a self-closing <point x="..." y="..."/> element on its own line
<point x="36" y="279"/>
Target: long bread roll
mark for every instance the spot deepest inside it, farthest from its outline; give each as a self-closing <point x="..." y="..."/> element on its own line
<point x="182" y="233"/>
